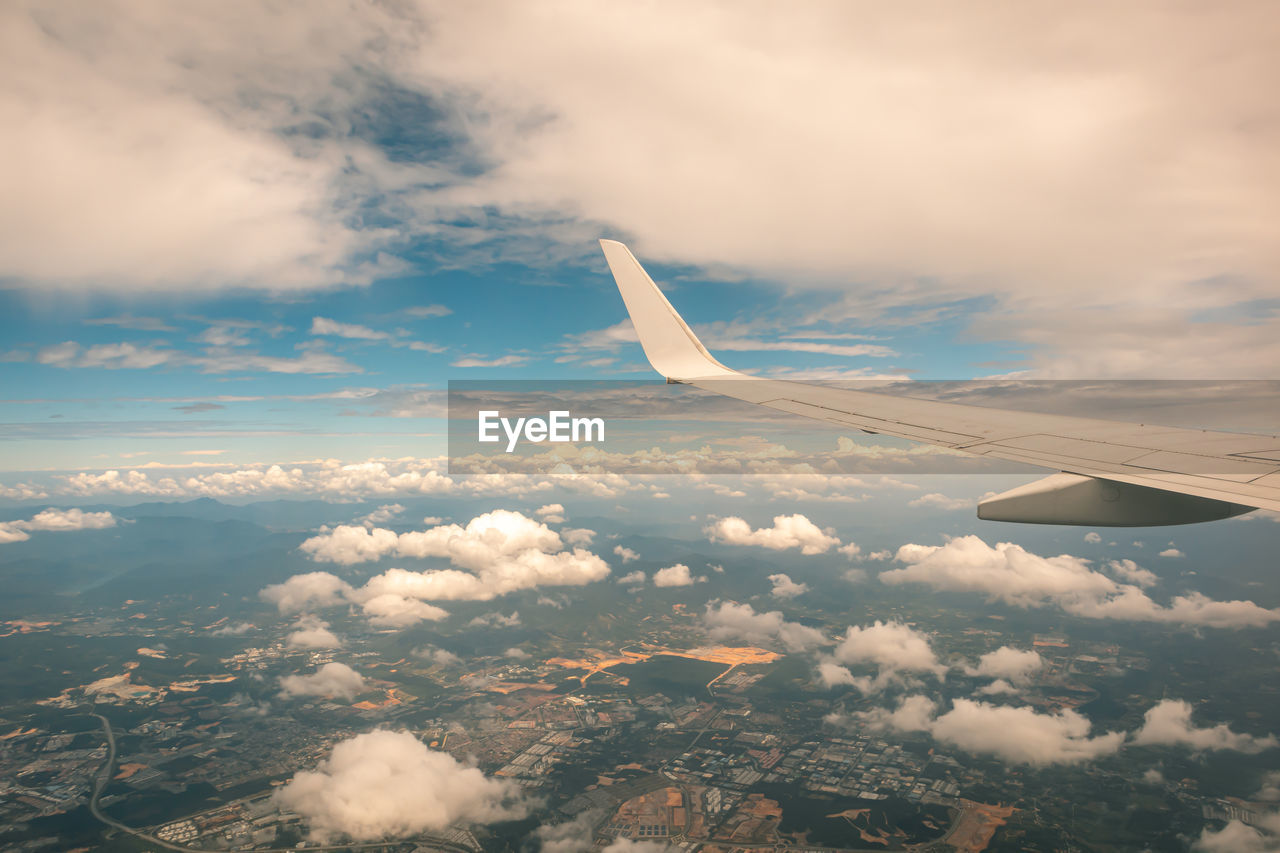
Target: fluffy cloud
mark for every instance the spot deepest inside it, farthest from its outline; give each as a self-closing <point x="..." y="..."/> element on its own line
<point x="913" y="714"/>
<point x="1238" y="837"/>
<point x="729" y="620"/>
<point x="892" y="646"/>
<point x="1171" y="552"/>
<point x="551" y="513"/>
<point x="347" y="544"/>
<point x="334" y="680"/>
<point x="503" y="551"/>
<point x="398" y="611"/>
<point x="1009" y="573"/>
<point x="311" y="632"/>
<point x="1015" y="666"/>
<point x="626" y="554"/>
<point x="633" y="577"/>
<point x="383" y="514"/>
<point x="389" y="784"/>
<point x="785" y="587"/>
<point x="677" y="575"/>
<point x="788" y="531"/>
<point x="1169" y="723"/>
<point x="1021" y="735"/>
<point x="578" y="535"/>
<point x="310" y="591"/>
<point x="1016" y="735"/>
<point x="57" y="520"/>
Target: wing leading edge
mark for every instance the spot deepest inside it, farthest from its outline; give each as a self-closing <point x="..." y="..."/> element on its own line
<point x="1111" y="473"/>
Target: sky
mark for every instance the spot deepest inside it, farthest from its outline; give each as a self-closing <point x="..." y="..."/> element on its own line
<point x="237" y="235"/>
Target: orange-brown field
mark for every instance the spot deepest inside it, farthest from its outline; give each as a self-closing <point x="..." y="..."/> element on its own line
<point x="599" y="661"/>
<point x="977" y="824"/>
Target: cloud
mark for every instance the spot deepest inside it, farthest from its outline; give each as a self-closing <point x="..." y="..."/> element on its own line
<point x="940" y="501"/>
<point x="677" y="575"/>
<point x="385" y="784"/>
<point x="551" y="513"/>
<point x="1171" y="552"/>
<point x="892" y="646"/>
<point x="578" y="535"/>
<point x="503" y="551"/>
<point x="1016" y="666"/>
<point x="788" y="531"/>
<point x="1092" y="537"/>
<point x="383" y="514"/>
<point x="852" y="550"/>
<point x="186" y="168"/>
<point x="1021" y="735"/>
<point x="1010" y="573"/>
<point x="128" y="356"/>
<point x="999" y="687"/>
<point x="389" y="610"/>
<point x="325" y="326"/>
<point x="496" y="620"/>
<point x="785" y="587"/>
<point x="516" y="653"/>
<point x="499" y="361"/>
<point x="626" y="554"/>
<point x="311" y="632"/>
<point x="311" y="591"/>
<point x="1236" y="837"/>
<point x="633" y="577"/>
<point x="1128" y="570"/>
<point x="233" y="629"/>
<point x="578" y="836"/>
<point x="1169" y="723"/>
<point x="333" y="680"/>
<point x="729" y="620"/>
<point x="347" y="544"/>
<point x="440" y="657"/>
<point x="425" y="311"/>
<point x="913" y="714"/>
<point x="54" y="520"/>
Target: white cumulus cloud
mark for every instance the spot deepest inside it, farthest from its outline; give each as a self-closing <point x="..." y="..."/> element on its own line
<point x="785" y="587"/>
<point x="389" y="784"/>
<point x="677" y="575"/>
<point x="1009" y="573"/>
<point x="729" y="620"/>
<point x="1169" y="723"/>
<point x="333" y="680"/>
<point x="788" y="531"/>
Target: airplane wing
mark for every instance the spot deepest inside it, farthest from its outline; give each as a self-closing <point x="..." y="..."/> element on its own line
<point x="1110" y="473"/>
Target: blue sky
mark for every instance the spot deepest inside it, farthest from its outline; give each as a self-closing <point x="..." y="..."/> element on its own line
<point x="275" y="234"/>
<point x="100" y="381"/>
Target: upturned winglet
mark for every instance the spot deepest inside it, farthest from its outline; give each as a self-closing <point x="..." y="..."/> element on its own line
<point x="671" y="346"/>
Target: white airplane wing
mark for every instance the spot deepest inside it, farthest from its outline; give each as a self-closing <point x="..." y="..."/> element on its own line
<point x="1110" y="473"/>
